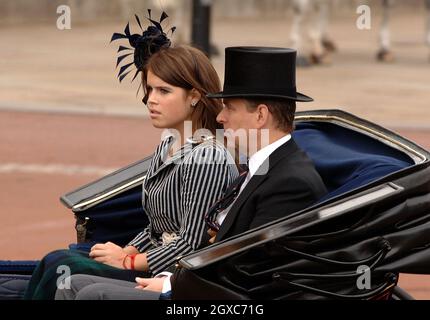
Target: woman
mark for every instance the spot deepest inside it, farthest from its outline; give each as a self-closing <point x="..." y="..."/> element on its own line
<point x="186" y="176"/>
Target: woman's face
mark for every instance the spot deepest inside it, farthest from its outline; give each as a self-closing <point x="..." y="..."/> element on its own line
<point x="168" y="106"/>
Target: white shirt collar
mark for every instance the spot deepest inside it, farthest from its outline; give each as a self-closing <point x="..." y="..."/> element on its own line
<point x="260" y="156"/>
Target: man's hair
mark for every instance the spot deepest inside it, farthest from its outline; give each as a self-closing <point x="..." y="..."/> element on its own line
<point x="283" y="111"/>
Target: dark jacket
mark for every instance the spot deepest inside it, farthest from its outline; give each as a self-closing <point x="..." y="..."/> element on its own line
<point x="290" y="184"/>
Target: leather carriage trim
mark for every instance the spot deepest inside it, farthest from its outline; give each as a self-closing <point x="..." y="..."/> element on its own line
<point x="105" y="196"/>
<point x="377" y="293"/>
<point x="418" y="157"/>
<point x="384" y="247"/>
<point x="264" y="234"/>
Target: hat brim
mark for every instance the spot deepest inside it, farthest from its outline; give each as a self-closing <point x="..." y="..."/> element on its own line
<point x="299" y="96"/>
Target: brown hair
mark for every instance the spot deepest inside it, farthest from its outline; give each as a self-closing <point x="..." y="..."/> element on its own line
<point x="282" y="110"/>
<point x="187" y="67"/>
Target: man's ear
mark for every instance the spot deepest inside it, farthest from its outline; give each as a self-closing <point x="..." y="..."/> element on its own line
<point x="262" y="115"/>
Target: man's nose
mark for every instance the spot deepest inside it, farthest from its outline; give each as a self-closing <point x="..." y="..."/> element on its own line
<point x="220" y="117"/>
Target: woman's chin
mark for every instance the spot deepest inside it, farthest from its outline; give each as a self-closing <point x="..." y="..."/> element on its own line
<point x="157" y="124"/>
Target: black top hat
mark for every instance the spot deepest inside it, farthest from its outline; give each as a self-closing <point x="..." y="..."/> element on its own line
<point x="254" y="72"/>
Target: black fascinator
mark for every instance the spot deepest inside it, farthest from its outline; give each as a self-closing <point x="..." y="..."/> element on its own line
<point x="149" y="42"/>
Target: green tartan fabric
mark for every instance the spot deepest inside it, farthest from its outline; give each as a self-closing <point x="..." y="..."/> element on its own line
<point x="43" y="283"/>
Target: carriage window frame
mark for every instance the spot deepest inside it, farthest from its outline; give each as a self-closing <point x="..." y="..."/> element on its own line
<point x="356" y="202"/>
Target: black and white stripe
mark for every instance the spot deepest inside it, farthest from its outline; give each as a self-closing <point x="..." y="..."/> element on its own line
<point x="177" y="194"/>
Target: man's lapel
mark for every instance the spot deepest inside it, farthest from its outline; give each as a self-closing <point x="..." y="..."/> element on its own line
<point x="243" y="196"/>
<point x="257" y="179"/>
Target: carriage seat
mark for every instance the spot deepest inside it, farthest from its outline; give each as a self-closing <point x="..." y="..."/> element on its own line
<point x="347" y="159"/>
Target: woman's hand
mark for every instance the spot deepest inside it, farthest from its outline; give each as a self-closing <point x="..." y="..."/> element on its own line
<point x="152" y="284"/>
<point x="108" y="253"/>
<point x="130" y="250"/>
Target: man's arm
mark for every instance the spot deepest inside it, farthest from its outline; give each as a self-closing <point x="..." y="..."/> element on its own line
<point x="282" y="198"/>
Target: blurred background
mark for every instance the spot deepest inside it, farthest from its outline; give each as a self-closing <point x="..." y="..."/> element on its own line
<point x="65" y="120"/>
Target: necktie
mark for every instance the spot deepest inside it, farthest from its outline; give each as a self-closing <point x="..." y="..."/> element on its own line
<point x="228" y="198"/>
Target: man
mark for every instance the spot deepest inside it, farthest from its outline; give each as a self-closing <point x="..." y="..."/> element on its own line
<point x="260" y="95"/>
<point x="259" y="101"/>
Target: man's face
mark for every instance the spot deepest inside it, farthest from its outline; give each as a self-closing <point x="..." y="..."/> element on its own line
<point x="235" y="115"/>
<point x="241" y="126"/>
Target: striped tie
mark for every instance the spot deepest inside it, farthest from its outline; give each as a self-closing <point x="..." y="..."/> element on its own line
<point x="228" y="198"/>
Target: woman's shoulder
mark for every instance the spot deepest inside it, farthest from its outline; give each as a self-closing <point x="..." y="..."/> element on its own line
<point x="211" y="150"/>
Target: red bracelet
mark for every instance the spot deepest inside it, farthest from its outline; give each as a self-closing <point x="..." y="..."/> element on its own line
<point x="132" y="257"/>
<point x="123" y="261"/>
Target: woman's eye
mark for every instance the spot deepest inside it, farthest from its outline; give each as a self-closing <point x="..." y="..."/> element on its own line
<point x="164" y="91"/>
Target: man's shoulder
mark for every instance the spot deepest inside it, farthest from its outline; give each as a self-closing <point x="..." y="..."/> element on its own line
<point x="291" y="155"/>
<point x="297" y="167"/>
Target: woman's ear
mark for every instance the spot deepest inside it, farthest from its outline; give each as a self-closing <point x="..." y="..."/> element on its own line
<point x="195" y="96"/>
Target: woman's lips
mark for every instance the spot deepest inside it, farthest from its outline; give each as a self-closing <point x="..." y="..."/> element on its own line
<point x="153" y="113"/>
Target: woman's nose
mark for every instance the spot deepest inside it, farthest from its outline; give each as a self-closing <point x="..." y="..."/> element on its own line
<point x="152" y="99"/>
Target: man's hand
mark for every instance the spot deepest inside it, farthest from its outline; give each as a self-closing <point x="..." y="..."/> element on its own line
<point x="108" y="253"/>
<point x="152" y="284"/>
<point x="212" y="234"/>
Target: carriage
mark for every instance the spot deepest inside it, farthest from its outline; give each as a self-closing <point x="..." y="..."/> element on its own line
<point x="373" y="224"/>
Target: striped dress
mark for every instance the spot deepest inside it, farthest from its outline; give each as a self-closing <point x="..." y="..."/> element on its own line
<point x="177" y="193"/>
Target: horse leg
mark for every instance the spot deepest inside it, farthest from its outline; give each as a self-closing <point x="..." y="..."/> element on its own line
<point x="322" y="46"/>
<point x="384" y="54"/>
<point x="300" y="10"/>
